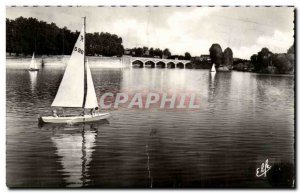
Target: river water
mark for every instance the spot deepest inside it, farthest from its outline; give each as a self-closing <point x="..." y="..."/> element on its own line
<point x="243" y="120"/>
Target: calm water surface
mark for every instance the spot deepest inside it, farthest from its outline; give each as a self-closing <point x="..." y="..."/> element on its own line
<point x="244" y="119"/>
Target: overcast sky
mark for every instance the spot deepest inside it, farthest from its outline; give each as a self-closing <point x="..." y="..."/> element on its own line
<point x="181" y="29"/>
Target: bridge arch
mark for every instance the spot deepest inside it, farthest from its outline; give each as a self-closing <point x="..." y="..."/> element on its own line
<point x="137" y="64"/>
<point x="161" y="64"/>
<point x="149" y="64"/>
<point x="171" y="65"/>
<point x="180" y="65"/>
<point x="189" y="65"/>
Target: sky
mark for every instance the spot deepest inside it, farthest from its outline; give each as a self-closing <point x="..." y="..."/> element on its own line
<point x="246" y="30"/>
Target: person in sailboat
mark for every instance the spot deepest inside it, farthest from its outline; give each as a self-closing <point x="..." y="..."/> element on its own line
<point x="94" y="111"/>
<point x="54" y="113"/>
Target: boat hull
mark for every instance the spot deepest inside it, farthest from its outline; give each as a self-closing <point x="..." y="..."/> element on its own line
<point x="32" y="69"/>
<point x="224" y="69"/>
<point x="74" y="119"/>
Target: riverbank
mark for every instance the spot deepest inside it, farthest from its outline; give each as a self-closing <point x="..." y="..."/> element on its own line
<point x="249" y="67"/>
<point x="121" y="62"/>
<point x="59" y="60"/>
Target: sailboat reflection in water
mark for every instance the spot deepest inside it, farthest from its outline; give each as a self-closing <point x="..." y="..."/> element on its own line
<point x="33" y="77"/>
<point x="75" y="145"/>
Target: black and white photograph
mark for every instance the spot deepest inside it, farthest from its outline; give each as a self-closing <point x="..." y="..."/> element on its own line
<point x="141" y="97"/>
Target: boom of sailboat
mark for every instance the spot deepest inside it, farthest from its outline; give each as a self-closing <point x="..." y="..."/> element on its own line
<point x="76" y="89"/>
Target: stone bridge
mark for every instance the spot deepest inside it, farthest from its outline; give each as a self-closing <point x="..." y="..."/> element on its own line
<point x="159" y="63"/>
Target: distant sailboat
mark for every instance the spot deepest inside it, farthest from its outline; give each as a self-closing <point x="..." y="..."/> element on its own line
<point x="76" y="88"/>
<point x="213" y="68"/>
<point x="33" y="65"/>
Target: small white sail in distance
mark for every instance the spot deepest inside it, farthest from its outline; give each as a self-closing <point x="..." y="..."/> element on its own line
<point x="71" y="90"/>
<point x="33" y="64"/>
<point x="213" y="68"/>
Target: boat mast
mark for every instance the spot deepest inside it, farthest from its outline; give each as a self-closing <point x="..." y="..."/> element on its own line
<point x="85" y="74"/>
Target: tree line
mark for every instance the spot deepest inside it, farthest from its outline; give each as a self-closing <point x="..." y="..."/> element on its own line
<point x="156" y="53"/>
<point x="28" y="35"/>
<point x="267" y="62"/>
<point x="264" y="61"/>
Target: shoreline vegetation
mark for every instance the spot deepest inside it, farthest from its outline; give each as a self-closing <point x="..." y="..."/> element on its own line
<point x="27" y="35"/>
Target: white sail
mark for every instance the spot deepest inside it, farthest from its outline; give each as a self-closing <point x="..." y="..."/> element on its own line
<point x="71" y="89"/>
<point x="213" y="68"/>
<point x="91" y="99"/>
<point x="32" y="64"/>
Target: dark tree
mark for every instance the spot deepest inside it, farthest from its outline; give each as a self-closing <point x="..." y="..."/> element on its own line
<point x="158" y="52"/>
<point x="167" y="53"/>
<point x="151" y="52"/>
<point x="283" y="63"/>
<point x="9" y="36"/>
<point x="253" y="59"/>
<point x="105" y="44"/>
<point x="291" y="56"/>
<point x="228" y="57"/>
<point x="264" y="57"/>
<point x="216" y="54"/>
<point x="263" y="60"/>
<point x="145" y="51"/>
<point x="187" y="56"/>
<point x="138" y="52"/>
<point x="178" y="57"/>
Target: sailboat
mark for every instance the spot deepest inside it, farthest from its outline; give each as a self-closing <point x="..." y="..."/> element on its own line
<point x="33" y="65"/>
<point x="76" y="89"/>
<point x="213" y="68"/>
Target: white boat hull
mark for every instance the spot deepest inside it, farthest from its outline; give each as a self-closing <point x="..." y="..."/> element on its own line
<point x="33" y="69"/>
<point x="74" y="119"/>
